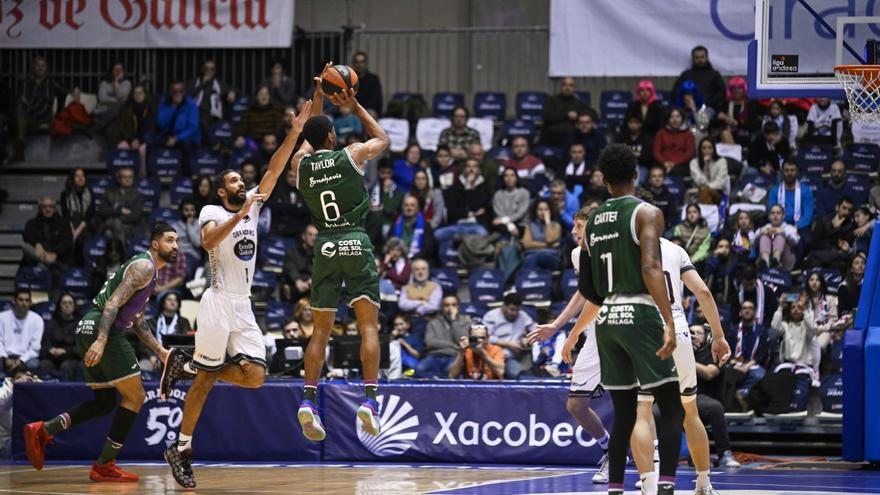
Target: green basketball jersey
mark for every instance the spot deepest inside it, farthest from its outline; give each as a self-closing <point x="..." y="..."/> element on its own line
<point x="615" y="256"/>
<point x="135" y="304"/>
<point x="333" y="189"/>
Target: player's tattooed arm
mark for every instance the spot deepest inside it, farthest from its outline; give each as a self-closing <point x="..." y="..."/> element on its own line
<point x="144" y="332"/>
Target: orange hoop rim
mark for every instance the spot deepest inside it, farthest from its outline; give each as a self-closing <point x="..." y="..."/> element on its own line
<point x="857" y="70"/>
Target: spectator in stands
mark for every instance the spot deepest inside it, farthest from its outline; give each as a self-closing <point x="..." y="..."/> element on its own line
<point x="123" y="206"/>
<point x="751" y="351"/>
<point x="824" y="124"/>
<point x="172" y="277"/>
<point x="169" y="321"/>
<point x="177" y="122"/>
<point x="444" y="168"/>
<point x="709" y="389"/>
<point x="431" y="201"/>
<point x="48" y="239"/>
<point x="721" y="271"/>
<point x="527" y="166"/>
<point x="297" y="274"/>
<point x="755" y="290"/>
<point x="822" y="308"/>
<point x="586" y="133"/>
<point x="396" y="266"/>
<point x="768" y="150"/>
<point x="58" y="351"/>
<point x="508" y="327"/>
<point x="777" y="241"/>
<point x="743" y="235"/>
<point x="281" y="87"/>
<point x="488" y="165"/>
<point x="441" y="340"/>
<point x="849" y="290"/>
<point x="776" y="114"/>
<point x="689" y="99"/>
<point x="114" y="256"/>
<point x="290" y="215"/>
<point x="835" y="188"/>
<point x="459" y="136"/>
<point x="577" y="172"/>
<point x="647" y="108"/>
<point x="38" y="98"/>
<point x="408" y="345"/>
<point x="663" y="198"/>
<point x="797" y="330"/>
<point x="832" y="237"/>
<point x="708" y="80"/>
<point x="864" y="230"/>
<point x="263" y="116"/>
<point x="412" y="228"/>
<point x="305" y="318"/>
<point x="709" y="174"/>
<point x="346" y="124"/>
<point x="421" y="296"/>
<point x="78" y="206"/>
<point x="693" y="234"/>
<point x="211" y="95"/>
<point x="268" y="146"/>
<point x="477" y="358"/>
<point x="249" y="175"/>
<point x="386" y="198"/>
<point x="637" y="139"/>
<point x="560" y="113"/>
<point x="468" y="204"/>
<point x="134" y="125"/>
<point x="674" y="144"/>
<point x="405" y="169"/>
<point x="737" y="118"/>
<point x="596" y="188"/>
<point x="541" y="238"/>
<point x="113" y="91"/>
<point x="370" y="91"/>
<point x="795" y="195"/>
<point x="564" y="203"/>
<point x="510" y="203"/>
<point x="189" y="237"/>
<point x="21" y="331"/>
<point x="202" y="192"/>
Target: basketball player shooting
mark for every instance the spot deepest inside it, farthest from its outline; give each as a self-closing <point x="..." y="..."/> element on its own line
<point x="229" y="344"/>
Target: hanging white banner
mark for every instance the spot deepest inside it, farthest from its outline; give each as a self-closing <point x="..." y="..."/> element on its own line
<point x="145" y="23"/>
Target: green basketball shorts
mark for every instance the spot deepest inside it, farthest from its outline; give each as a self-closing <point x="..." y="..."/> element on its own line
<point x="119" y="361"/>
<point x="344" y="263"/>
<point x="629" y="332"/>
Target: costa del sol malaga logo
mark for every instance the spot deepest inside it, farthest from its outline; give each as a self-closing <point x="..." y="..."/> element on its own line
<point x="399" y="428"/>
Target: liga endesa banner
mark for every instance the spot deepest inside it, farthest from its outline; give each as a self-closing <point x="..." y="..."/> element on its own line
<point x="648" y="37"/>
<point x="236" y="424"/>
<point x="461" y="422"/>
<point x="145" y="23"/>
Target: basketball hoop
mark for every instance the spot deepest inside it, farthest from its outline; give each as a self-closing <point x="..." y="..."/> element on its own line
<point x="862" y="86"/>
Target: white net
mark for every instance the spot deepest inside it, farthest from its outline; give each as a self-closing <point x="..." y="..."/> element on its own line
<point x="862" y="86"/>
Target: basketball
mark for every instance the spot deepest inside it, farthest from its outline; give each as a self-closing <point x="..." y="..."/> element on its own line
<point x="337" y="78"/>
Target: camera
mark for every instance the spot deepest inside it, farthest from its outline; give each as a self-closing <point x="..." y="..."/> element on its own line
<point x="474" y="341"/>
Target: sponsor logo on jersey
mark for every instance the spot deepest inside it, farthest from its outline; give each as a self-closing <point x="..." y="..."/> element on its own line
<point x="599" y="238"/>
<point x="350" y="247"/>
<point x="245" y="249"/>
<point x="399" y="428"/>
<point x="602" y="315"/>
<point x="621" y="314"/>
<point x="328" y="249"/>
<point x="324" y="179"/>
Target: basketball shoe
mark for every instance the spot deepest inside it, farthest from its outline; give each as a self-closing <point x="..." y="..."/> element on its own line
<point x="174" y="370"/>
<point x="310" y="421"/>
<point x="110" y="472"/>
<point x="181" y="466"/>
<point x="368" y="413"/>
<point x="35" y="440"/>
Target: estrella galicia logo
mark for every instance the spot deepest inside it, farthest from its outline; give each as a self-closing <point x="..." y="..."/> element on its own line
<point x="328" y="249"/>
<point x="245" y="249"/>
<point x="399" y="428"/>
<point x="603" y="314"/>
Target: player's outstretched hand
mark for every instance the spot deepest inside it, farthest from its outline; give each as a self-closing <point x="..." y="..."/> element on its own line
<point x="298" y="121"/>
<point x="720" y="351"/>
<point x="668" y="342"/>
<point x="541" y="333"/>
<point x="246" y="207"/>
<point x="344" y="98"/>
<point x="94" y="353"/>
<point x="319" y="90"/>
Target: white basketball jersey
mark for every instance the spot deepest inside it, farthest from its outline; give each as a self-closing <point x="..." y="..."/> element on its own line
<point x="576" y="259"/>
<point x="675" y="261"/>
<point x="233" y="261"/>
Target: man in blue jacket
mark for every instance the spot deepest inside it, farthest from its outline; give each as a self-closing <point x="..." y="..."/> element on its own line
<point x="177" y="123"/>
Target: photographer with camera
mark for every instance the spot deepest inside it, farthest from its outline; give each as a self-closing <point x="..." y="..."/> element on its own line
<point x="477" y="359"/>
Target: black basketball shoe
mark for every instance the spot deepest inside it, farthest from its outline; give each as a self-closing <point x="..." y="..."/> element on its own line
<point x="181" y="466"/>
<point x="174" y="370"/>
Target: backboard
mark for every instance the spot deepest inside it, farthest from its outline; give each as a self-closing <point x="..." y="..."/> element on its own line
<point x="799" y="42"/>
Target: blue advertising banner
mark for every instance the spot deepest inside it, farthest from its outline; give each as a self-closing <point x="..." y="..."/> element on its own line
<point x="236" y="424"/>
<point x="461" y="422"/>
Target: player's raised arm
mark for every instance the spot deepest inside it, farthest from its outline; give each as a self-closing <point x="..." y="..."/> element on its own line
<point x="649" y="226"/>
<point x="318" y="99"/>
<point x="282" y="155"/>
<point x="720" y="347"/>
<point x="378" y="142"/>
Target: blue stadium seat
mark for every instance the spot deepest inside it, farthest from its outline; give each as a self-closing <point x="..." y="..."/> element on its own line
<point x="5" y="305"/>
<point x="93" y="248"/>
<point x="444" y="103"/>
<point x="556" y="308"/>
<point x="490" y="104"/>
<point x="35" y="278"/>
<point x="833" y="278"/>
<point x="534" y="285"/>
<point x="858" y="188"/>
<point x="530" y="310"/>
<point x="166" y="215"/>
<point x="518" y="128"/>
<point x="447" y="278"/>
<point x="277" y="313"/>
<point x="486" y="286"/>
<point x="584" y="96"/>
<point x="264" y="285"/>
<point x="181" y="188"/>
<point x="815" y="183"/>
<point x="238" y="108"/>
<point x="499" y="153"/>
<point x="815" y="160"/>
<point x="165" y="163"/>
<point x="99" y="185"/>
<point x="76" y="282"/>
<point x="222" y="133"/>
<point x="550" y="155"/>
<point x="117" y="159"/>
<point x="861" y="157"/>
<point x="530" y="105"/>
<point x="474" y="310"/>
<point x="448" y="255"/>
<point x="207" y="162"/>
<point x="272" y="252"/>
<point x="664" y="97"/>
<point x="44" y="309"/>
<point x="137" y="244"/>
<point x="613" y="106"/>
<point x="344" y="314"/>
<point x="569" y="283"/>
<point x="242" y="156"/>
<point x="406" y="96"/>
<point x="780" y="280"/>
<point x="150" y="189"/>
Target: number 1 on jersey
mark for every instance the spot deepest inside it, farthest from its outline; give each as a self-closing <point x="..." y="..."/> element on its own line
<point x="329" y="206"/>
<point x="609" y="268"/>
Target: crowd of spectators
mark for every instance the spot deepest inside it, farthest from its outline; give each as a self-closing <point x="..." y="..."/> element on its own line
<point x="782" y="246"/>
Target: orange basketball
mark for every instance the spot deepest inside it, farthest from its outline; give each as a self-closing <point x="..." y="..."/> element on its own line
<point x="337" y="78"/>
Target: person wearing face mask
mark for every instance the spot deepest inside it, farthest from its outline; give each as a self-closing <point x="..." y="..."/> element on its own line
<point x="421" y="296"/>
<point x="459" y="136"/>
<point x="441" y="340"/>
<point x="647" y="108"/>
<point x="134" y="123"/>
<point x="709" y="173"/>
<point x="674" y="144"/>
<point x="777" y="241"/>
